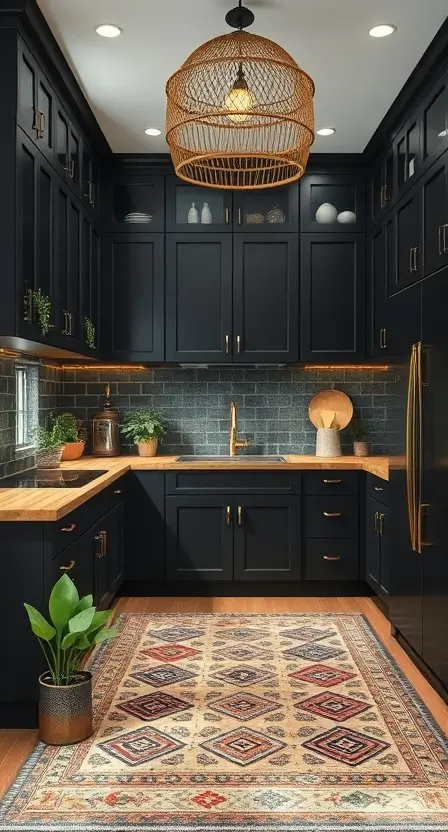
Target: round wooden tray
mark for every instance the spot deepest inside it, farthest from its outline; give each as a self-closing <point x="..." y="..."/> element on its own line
<point x="331" y="400"/>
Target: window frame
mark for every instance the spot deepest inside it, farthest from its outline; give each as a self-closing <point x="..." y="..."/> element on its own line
<point x="26" y="405"/>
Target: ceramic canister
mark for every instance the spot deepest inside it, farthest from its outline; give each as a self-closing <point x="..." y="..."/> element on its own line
<point x="328" y="442"/>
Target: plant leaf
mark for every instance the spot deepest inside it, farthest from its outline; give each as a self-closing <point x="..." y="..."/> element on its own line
<point x="39" y="625"/>
<point x="69" y="640"/>
<point x="105" y="634"/>
<point x="99" y="620"/>
<point x="84" y="604"/>
<point x="84" y="641"/>
<point x="63" y="600"/>
<point x="81" y="622"/>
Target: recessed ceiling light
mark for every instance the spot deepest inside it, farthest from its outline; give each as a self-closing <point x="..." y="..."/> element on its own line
<point x="108" y="30"/>
<point x="383" y="30"/>
<point x="152" y="131"/>
<point x="326" y="131"/>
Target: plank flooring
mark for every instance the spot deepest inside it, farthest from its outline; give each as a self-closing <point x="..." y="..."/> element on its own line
<point x="16" y="745"/>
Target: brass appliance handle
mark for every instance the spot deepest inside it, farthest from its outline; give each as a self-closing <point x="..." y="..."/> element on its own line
<point x="68" y="566"/>
<point x="240" y="515"/>
<point x="411" y="474"/>
<point x="331" y="482"/>
<point x="332" y="513"/>
<point x="228" y="516"/>
<point x="331" y="557"/>
<point x="419" y="440"/>
<point x="69" y="528"/>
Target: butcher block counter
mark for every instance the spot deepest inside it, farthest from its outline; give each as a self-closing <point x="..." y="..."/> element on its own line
<point x="50" y="504"/>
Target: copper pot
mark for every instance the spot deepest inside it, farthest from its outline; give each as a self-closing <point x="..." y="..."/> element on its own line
<point x="148" y="448"/>
<point x="65" y="711"/>
<point x="73" y="450"/>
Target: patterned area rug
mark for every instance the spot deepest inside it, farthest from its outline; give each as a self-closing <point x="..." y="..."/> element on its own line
<point x="267" y="722"/>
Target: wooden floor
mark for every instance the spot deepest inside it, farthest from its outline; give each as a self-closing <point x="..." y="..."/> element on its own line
<point x="16" y="745"/>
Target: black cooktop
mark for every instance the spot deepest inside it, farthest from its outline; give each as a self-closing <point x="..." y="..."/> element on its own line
<point x="50" y="478"/>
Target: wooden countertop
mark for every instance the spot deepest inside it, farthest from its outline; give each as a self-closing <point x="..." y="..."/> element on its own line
<point x="50" y="504"/>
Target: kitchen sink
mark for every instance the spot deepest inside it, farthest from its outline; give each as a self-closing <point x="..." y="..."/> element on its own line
<point x="257" y="458"/>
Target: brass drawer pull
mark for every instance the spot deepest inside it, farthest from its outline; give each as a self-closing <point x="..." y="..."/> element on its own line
<point x="117" y="491"/>
<point x="228" y="516"/>
<point x="331" y="557"/>
<point x="332" y="513"/>
<point x="69" y="528"/>
<point x="377" y="488"/>
<point x="69" y="566"/>
<point x="332" y="482"/>
<point x="240" y="515"/>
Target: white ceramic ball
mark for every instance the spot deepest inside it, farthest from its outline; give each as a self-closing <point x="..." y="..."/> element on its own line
<point x="347" y="217"/>
<point x="326" y="213"/>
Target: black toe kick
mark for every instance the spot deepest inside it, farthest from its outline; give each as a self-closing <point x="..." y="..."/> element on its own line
<point x="241" y="589"/>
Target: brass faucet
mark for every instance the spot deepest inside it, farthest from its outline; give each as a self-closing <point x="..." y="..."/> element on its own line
<point x="234" y="442"/>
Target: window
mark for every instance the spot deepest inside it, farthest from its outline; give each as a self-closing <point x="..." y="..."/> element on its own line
<point x="27" y="404"/>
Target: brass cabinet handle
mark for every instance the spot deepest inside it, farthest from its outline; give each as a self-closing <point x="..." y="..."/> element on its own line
<point x="238" y="344"/>
<point x="383" y="338"/>
<point x="68" y="566"/>
<point x="69" y="528"/>
<point x="332" y="513"/>
<point x="381" y="523"/>
<point x="240" y="515"/>
<point x="227" y="344"/>
<point x="227" y="215"/>
<point x="67" y="166"/>
<point x="439" y="239"/>
<point x="377" y="488"/>
<point x="331" y="482"/>
<point x="42" y="125"/>
<point x="383" y="196"/>
<point x="228" y="516"/>
<point x="117" y="491"/>
<point x="331" y="557"/>
<point x="36" y="117"/>
<point x="415" y="258"/>
<point x="386" y="196"/>
<point x="240" y="218"/>
<point x="375" y="521"/>
<point x="410" y="260"/>
<point x="99" y="551"/>
<point x="444" y="229"/>
<point x="92" y="193"/>
<point x="65" y="330"/>
<point x="104" y="536"/>
<point x="72" y="168"/>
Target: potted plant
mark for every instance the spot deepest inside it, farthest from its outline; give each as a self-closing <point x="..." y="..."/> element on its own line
<point x="69" y="429"/>
<point x="145" y="428"/>
<point x="65" y="703"/>
<point x="49" y="447"/>
<point x="360" y="437"/>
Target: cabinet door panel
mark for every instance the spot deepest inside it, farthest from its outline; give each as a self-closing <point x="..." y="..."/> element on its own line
<point x="27" y="92"/>
<point x="44" y="242"/>
<point x="435" y="217"/>
<point x="408" y="225"/>
<point x="331" y="516"/>
<point x="62" y="129"/>
<point x="373" y="510"/>
<point x="267" y="538"/>
<point x="434" y="121"/>
<point x="265" y="297"/>
<point x="199" y="539"/>
<point x="74" y="268"/>
<point x="199" y="297"/>
<point x="384" y="551"/>
<point x="78" y="562"/>
<point x="26" y="227"/>
<point x="381" y="266"/>
<point x="331" y="560"/>
<point x="343" y="193"/>
<point x="45" y="103"/>
<point x="144" y="554"/>
<point x="135" y="296"/>
<point x="114" y="549"/>
<point x="332" y="297"/>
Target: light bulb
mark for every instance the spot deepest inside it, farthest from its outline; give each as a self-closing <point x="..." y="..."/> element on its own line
<point x="240" y="99"/>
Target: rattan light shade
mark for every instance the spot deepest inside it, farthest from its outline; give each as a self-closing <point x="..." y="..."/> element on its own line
<point x="240" y="114"/>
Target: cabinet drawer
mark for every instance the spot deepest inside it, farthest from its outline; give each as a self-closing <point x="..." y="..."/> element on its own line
<point x="233" y="482"/>
<point x="65" y="531"/>
<point x="378" y="489"/>
<point x="331" y="516"/>
<point x="331" y="482"/>
<point x="331" y="560"/>
<point x="78" y="562"/>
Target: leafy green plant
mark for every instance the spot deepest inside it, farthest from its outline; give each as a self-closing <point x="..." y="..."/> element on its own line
<point x="143" y="425"/>
<point x="75" y="628"/>
<point x="43" y="310"/>
<point x="47" y="440"/>
<point x="89" y="333"/>
<point x="67" y="427"/>
<point x="359" y="430"/>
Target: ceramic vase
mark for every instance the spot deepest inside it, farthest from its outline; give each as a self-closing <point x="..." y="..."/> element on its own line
<point x="326" y="213"/>
<point x="65" y="711"/>
<point x="206" y="214"/>
<point x="361" y="448"/>
<point x="346" y="217"/>
<point x="73" y="450"/>
<point x="328" y="442"/>
<point x="193" y="215"/>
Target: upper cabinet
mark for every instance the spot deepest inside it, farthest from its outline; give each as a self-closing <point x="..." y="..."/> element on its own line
<point x="135" y="202"/>
<point x="332" y="203"/>
<point x="434" y="122"/>
<point x="407" y="155"/>
<point x="382" y="190"/>
<point x="270" y="209"/>
<point x="195" y="209"/>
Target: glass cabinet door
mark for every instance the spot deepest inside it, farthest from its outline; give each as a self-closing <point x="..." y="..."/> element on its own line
<point x="334" y="203"/>
<point x="434" y="119"/>
<point x="137" y="204"/>
<point x="269" y="209"/>
<point x="194" y="208"/>
<point x="408" y="154"/>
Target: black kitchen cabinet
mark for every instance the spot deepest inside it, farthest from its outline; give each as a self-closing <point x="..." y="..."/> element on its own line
<point x="434" y="185"/>
<point x="408" y="241"/>
<point x="183" y="198"/>
<point x="133" y="297"/>
<point x="35" y="102"/>
<point x="134" y="201"/>
<point x="332" y="292"/>
<point x="331" y="559"/>
<point x="78" y="562"/>
<point x="434" y="121"/>
<point x="113" y="549"/>
<point x="382" y="265"/>
<point x="267" y="538"/>
<point x="265" y="298"/>
<point x="144" y="547"/>
<point x="267" y="209"/>
<point x="199" y="538"/>
<point x="90" y="179"/>
<point x="199" y="298"/>
<point x="68" y="149"/>
<point x="90" y="281"/>
<point x="407" y="150"/>
<point x="382" y="185"/>
<point x="377" y="547"/>
<point x="342" y="199"/>
<point x="68" y="263"/>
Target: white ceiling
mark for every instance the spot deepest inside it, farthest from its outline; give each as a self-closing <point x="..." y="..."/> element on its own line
<point x="357" y="77"/>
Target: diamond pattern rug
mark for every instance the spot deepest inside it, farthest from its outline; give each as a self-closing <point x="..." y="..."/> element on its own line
<point x="299" y="723"/>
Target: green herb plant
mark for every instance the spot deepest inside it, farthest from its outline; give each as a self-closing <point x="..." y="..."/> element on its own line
<point x="359" y="430"/>
<point x="143" y="426"/>
<point x="75" y="628"/>
<point x="66" y="426"/>
<point x="43" y="310"/>
<point x="48" y="439"/>
<point x="89" y="333"/>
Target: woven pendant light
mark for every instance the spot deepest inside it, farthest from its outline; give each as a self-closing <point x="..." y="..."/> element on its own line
<point x="240" y="112"/>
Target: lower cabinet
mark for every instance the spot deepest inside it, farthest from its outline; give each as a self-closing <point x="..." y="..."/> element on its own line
<point x="267" y="539"/>
<point x="144" y="537"/>
<point x="377" y="548"/>
<point x="199" y="538"/>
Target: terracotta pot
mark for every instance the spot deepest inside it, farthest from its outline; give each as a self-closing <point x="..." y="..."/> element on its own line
<point x="65" y="711"/>
<point x="147" y="448"/>
<point x="73" y="450"/>
<point x="49" y="458"/>
<point x="361" y="448"/>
